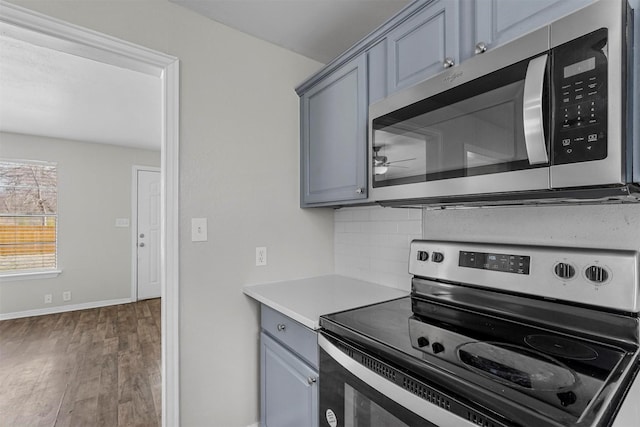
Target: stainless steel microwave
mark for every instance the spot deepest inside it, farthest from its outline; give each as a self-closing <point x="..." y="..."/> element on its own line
<point x="544" y="117"/>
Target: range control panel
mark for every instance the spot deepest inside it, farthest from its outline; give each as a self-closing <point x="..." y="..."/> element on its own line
<point x="579" y="70"/>
<point x="607" y="278"/>
<point x="507" y="263"/>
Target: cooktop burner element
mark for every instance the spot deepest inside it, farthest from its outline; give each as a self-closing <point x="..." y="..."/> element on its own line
<point x="562" y="347"/>
<point x="513" y="365"/>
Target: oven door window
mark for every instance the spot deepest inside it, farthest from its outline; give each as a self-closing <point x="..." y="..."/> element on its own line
<point x="361" y="411"/>
<point x="346" y="401"/>
<point x="474" y="129"/>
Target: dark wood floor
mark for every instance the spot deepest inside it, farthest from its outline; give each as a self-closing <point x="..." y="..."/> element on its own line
<point x="98" y="367"/>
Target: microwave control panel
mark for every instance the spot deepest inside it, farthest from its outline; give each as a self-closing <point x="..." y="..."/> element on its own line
<point x="579" y="101"/>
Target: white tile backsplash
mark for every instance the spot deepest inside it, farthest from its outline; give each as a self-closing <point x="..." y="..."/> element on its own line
<point x="612" y="226"/>
<point x="372" y="243"/>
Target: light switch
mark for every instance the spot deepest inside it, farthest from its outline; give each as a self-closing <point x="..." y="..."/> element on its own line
<point x="198" y="229"/>
<point x="122" y="222"/>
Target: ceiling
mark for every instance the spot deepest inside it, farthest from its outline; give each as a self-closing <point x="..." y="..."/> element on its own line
<point x="46" y="92"/>
<point x="50" y="93"/>
<point x="317" y="29"/>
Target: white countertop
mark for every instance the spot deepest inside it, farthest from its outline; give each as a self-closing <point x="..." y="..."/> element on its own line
<point x="305" y="300"/>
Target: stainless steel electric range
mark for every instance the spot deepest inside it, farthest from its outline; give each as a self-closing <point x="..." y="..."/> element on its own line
<point x="492" y="335"/>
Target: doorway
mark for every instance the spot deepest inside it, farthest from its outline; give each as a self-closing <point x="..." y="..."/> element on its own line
<point x="26" y="25"/>
<point x="146" y="233"/>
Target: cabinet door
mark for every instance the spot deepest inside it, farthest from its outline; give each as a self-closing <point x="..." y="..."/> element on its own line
<point x="499" y="21"/>
<point x="418" y="47"/>
<point x="288" y="387"/>
<point x="334" y="142"/>
<point x="377" y="71"/>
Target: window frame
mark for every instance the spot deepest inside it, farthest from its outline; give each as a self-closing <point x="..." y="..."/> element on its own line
<point x="34" y="273"/>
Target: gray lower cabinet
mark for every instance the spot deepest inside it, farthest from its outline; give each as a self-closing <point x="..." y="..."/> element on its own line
<point x="423" y="45"/>
<point x="333" y="137"/>
<point x="288" y="372"/>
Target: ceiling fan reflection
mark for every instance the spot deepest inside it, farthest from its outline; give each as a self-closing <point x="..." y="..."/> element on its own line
<point x="381" y="164"/>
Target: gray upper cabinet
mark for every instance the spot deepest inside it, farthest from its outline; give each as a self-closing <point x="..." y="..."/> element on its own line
<point x="377" y="69"/>
<point x="499" y="21"/>
<point x="333" y="134"/>
<point x="423" y="45"/>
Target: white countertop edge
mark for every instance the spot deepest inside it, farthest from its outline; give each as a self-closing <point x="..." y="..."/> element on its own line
<point x="309" y="323"/>
<point x="283" y="296"/>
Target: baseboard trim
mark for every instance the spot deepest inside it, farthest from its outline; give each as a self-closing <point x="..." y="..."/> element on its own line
<point x="63" y="308"/>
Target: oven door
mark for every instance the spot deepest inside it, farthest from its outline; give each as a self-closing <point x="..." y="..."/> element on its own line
<point x="351" y="395"/>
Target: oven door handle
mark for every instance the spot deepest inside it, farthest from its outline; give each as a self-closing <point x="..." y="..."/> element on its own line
<point x="427" y="410"/>
<point x="532" y="116"/>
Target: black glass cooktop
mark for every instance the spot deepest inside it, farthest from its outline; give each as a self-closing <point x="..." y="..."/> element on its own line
<point x="555" y="373"/>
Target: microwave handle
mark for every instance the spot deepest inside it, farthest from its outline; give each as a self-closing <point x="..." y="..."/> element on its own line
<point x="532" y="111"/>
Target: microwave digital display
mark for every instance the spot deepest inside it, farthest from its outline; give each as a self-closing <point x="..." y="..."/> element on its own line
<point x="580" y="67"/>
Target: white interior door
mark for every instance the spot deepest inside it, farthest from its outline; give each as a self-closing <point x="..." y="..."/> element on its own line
<point x="148" y="234"/>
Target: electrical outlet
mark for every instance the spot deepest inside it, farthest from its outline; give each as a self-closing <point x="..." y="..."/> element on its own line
<point x="261" y="255"/>
<point x="48" y="298"/>
<point x="66" y="296"/>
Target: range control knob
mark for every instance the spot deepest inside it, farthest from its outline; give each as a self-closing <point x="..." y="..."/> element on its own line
<point x="437" y="348"/>
<point x="423" y="255"/>
<point x="437" y="257"/>
<point x="423" y="342"/>
<point x="596" y="274"/>
<point x="564" y="270"/>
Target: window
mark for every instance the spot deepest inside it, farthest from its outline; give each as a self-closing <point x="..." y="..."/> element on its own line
<point x="28" y="216"/>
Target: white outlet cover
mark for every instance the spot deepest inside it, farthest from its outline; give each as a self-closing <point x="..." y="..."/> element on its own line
<point x="66" y="296"/>
<point x="261" y="256"/>
<point x="198" y="229"/>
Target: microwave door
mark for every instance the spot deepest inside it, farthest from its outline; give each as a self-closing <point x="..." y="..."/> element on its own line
<point x="473" y="139"/>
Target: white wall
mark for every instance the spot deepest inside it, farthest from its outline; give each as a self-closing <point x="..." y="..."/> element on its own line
<point x="94" y="188"/>
<point x="239" y="162"/>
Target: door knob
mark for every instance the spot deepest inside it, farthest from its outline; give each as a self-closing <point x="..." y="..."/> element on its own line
<point x="141" y="235"/>
<point x="448" y="62"/>
<point x="142" y="245"/>
<point x="312" y="380"/>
